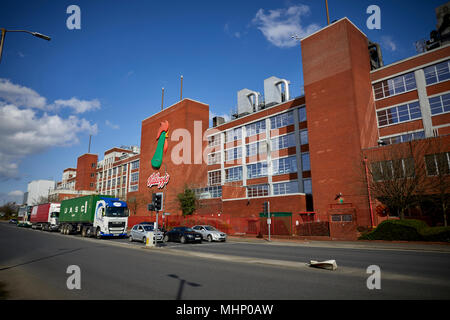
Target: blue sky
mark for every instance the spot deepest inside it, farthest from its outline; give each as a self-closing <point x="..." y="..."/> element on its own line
<point x="106" y="77"/>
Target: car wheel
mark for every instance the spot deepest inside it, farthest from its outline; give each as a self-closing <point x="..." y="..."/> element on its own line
<point x="83" y="232"/>
<point x="183" y="239"/>
<point x="144" y="240"/>
<point x="98" y="233"/>
<point x="166" y="238"/>
<point x="130" y="238"/>
<point x="209" y="238"/>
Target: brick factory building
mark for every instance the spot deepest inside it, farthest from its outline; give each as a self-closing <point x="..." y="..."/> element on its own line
<point x="306" y="155"/>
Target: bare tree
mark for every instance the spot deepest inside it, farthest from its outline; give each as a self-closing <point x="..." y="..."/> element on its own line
<point x="398" y="178"/>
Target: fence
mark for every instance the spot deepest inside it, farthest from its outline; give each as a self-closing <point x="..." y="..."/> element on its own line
<point x="282" y="224"/>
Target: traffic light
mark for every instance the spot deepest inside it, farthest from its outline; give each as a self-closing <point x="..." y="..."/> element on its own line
<point x="265" y="207"/>
<point x="157" y="201"/>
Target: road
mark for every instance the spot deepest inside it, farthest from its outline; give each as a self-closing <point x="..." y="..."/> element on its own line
<point x="33" y="265"/>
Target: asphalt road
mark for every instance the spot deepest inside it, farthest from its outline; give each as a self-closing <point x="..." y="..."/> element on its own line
<point x="33" y="265"/>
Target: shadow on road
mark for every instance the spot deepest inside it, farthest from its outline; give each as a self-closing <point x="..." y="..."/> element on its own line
<point x="40" y="259"/>
<point x="182" y="283"/>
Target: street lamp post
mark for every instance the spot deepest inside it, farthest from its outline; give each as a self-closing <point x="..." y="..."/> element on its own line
<point x="36" y="34"/>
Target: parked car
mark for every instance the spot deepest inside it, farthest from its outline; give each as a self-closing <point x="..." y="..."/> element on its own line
<point x="183" y="234"/>
<point x="139" y="233"/>
<point x="13" y="221"/>
<point x="210" y="233"/>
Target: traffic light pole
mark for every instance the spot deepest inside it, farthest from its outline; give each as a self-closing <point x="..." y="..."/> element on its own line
<point x="268" y="217"/>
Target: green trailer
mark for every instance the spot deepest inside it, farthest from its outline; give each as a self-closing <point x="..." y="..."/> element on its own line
<point x="94" y="215"/>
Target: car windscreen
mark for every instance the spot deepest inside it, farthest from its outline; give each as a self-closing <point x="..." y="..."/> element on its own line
<point x="148" y="228"/>
<point x="209" y="228"/>
<point x="116" y="212"/>
<point x="54" y="214"/>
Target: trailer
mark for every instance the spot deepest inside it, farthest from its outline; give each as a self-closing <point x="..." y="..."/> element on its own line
<point x="94" y="215"/>
<point x="45" y="216"/>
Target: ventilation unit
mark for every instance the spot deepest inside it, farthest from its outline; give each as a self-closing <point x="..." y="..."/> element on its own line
<point x="247" y="101"/>
<point x="273" y="90"/>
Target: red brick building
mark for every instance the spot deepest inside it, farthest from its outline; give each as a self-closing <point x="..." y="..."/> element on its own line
<point x="306" y="156"/>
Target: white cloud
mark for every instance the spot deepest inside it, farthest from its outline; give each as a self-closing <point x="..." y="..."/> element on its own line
<point x="79" y="106"/>
<point x="112" y="125"/>
<point x="25" y="131"/>
<point x="21" y="96"/>
<point x="278" y="26"/>
<point x="388" y="43"/>
<point x="16" y="193"/>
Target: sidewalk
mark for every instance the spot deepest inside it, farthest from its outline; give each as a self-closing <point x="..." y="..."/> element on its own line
<point x="357" y="244"/>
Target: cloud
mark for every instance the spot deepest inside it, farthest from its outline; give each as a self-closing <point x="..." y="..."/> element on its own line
<point x="278" y="26"/>
<point x="16" y="193"/>
<point x="27" y="127"/>
<point x="112" y="125"/>
<point x="25" y="97"/>
<point x="78" y="106"/>
<point x="232" y="34"/>
<point x="21" y="96"/>
<point x="388" y="43"/>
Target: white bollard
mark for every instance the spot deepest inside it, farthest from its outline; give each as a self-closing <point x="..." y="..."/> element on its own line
<point x="150" y="239"/>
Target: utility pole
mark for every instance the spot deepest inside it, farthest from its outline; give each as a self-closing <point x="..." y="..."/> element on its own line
<point x="162" y="99"/>
<point x="181" y="90"/>
<point x="328" y="15"/>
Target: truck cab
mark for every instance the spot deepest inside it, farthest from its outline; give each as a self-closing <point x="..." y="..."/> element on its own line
<point x="111" y="217"/>
<point x="53" y="216"/>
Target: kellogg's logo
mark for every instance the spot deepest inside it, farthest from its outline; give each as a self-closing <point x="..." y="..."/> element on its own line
<point x="156" y="180"/>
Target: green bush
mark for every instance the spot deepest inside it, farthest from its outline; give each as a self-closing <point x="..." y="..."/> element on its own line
<point x="407" y="230"/>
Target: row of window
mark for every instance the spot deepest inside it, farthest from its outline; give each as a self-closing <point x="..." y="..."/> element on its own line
<point x="404" y="137"/>
<point x="433" y="74"/>
<point x="259" y="169"/>
<point x="406" y="112"/>
<point x="282" y="188"/>
<point x="259" y="147"/>
<point x="278" y="121"/>
<point x="399" y="114"/>
<point x="436" y="164"/>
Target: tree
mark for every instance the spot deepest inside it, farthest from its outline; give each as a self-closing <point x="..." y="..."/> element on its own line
<point x="187" y="201"/>
<point x="395" y="179"/>
<point x="134" y="202"/>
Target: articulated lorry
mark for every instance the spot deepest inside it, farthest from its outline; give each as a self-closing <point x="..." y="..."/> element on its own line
<point x="45" y="216"/>
<point x="94" y="215"/>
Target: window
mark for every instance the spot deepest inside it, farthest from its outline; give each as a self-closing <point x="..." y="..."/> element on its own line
<point x="341" y="217"/>
<point x="214" y="158"/>
<point x="302" y="114"/>
<point x="256" y="170"/>
<point x="233" y="134"/>
<point x="437" y="73"/>
<point x="259" y="190"/>
<point x="440" y="104"/>
<point x="214" y="177"/>
<point x="405" y="137"/>
<point x="283" y="142"/>
<point x="209" y="192"/>
<point x="114" y="171"/>
<point x="233" y="174"/>
<point x="214" y="140"/>
<point x="437" y="164"/>
<point x="233" y="154"/>
<point x="393" y="169"/>
<point x="399" y="114"/>
<point x="303" y="137"/>
<point x="282" y="120"/>
<point x="256" y="148"/>
<point x="255" y="128"/>
<point x="285" y="187"/>
<point x="113" y="183"/>
<point x="109" y="172"/>
<point x="135" y="165"/>
<point x="306" y="164"/>
<point x="394" y="86"/>
<point x="307" y="186"/>
<point x="134" y="177"/>
<point x="133" y="188"/>
<point x="284" y="165"/>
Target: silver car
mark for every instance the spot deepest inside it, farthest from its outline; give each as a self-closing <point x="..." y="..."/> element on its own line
<point x="210" y="233"/>
<point x="139" y="233"/>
